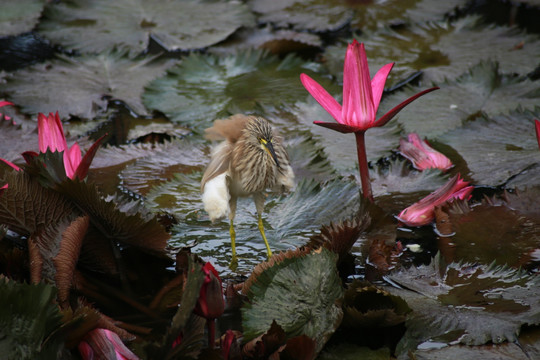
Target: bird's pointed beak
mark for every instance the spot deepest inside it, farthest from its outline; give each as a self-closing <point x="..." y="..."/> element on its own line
<point x="270" y="149"/>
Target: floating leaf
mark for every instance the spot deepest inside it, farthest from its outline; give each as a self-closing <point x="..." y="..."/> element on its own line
<point x="169" y="158"/>
<point x="101" y="25"/>
<point x="79" y="86"/>
<point x="366" y="306"/>
<point x="28" y="320"/>
<point x="16" y="140"/>
<point x="284" y="293"/>
<point x="205" y="87"/>
<point x="486" y="233"/>
<point x="308" y="160"/>
<point x="19" y="16"/>
<point x="372" y="15"/>
<point x="316" y="15"/>
<point x="442" y="50"/>
<point x="506" y="148"/>
<point x="279" y="42"/>
<point x="433" y="350"/>
<point x="466" y="303"/>
<point x="347" y="351"/>
<point x="482" y="89"/>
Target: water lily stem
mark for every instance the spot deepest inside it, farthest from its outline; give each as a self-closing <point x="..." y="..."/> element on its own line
<point x="363" y="165"/>
<point x="211" y="323"/>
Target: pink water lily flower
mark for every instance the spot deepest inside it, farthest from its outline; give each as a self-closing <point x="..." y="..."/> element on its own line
<point x="51" y="137"/>
<point x="104" y="344"/>
<point x="361" y="99"/>
<point x="537" y="125"/>
<point x="422" y="155"/>
<point x="422" y="212"/>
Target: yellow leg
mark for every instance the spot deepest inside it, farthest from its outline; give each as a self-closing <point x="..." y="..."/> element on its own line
<point x="261" y="229"/>
<point x="234" y="261"/>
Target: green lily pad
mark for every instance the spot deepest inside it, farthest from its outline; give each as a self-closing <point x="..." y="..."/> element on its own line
<point x="205" y="87"/>
<point x="482" y="89"/>
<point x="78" y="86"/>
<point x="442" y="50"/>
<point x="102" y="25"/>
<point x="279" y="42"/>
<point x="284" y="293"/>
<point x="507" y="146"/>
<point x="28" y="321"/>
<point x="465" y="303"/>
<point x="373" y="15"/>
<point x="19" y="16"/>
<point x="314" y="15"/>
<point x="169" y="158"/>
<point x="308" y="159"/>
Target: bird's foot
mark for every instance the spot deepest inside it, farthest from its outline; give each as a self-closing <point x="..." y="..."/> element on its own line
<point x="234" y="263"/>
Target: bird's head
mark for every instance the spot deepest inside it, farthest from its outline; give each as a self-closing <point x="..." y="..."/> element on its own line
<point x="261" y="130"/>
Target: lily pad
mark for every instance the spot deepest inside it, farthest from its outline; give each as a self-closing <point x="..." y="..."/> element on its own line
<point x="79" y="86"/>
<point x="507" y="146"/>
<point x="314" y="15"/>
<point x="19" y="16"/>
<point x="466" y="303"/>
<point x="482" y="89"/>
<point x="205" y="87"/>
<point x="102" y="25"/>
<point x="442" y="50"/>
<point x="372" y="15"/>
<point x="284" y="293"/>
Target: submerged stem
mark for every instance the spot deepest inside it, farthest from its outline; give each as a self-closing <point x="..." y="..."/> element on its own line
<point x="363" y="165"/>
<point x="211" y="323"/>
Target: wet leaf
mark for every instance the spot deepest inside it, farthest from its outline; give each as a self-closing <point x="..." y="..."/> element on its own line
<point x="442" y="50"/>
<point x="486" y="233"/>
<point x="127" y="222"/>
<point x="285" y="292"/>
<point x="205" y="87"/>
<point x="79" y="86"/>
<point x="102" y="25"/>
<point x="308" y="159"/>
<point x="28" y="319"/>
<point x="506" y="148"/>
<point x="490" y="351"/>
<point x="16" y="140"/>
<point x="466" y="303"/>
<point x="26" y="206"/>
<point x="482" y="89"/>
<point x="347" y="351"/>
<point x="374" y="14"/>
<point x="279" y="42"/>
<point x="171" y="157"/>
<point x="366" y="306"/>
<point x="315" y="15"/>
<point x="19" y="16"/>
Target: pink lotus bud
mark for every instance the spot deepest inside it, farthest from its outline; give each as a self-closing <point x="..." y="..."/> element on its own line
<point x="104" y="344"/>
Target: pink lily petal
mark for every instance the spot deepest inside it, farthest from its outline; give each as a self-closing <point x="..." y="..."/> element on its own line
<point x="326" y="100"/>
<point x="84" y="164"/>
<point x="72" y="159"/>
<point x="4" y="103"/>
<point x="11" y="164"/>
<point x="422" y="155"/>
<point x="537" y="125"/>
<point x="104" y="344"/>
<point x="342" y="128"/>
<point x="51" y="133"/>
<point x="389" y="115"/>
<point x="377" y="83"/>
<point x="422" y="212"/>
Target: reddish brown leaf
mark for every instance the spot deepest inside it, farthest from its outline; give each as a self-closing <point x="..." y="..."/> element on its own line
<point x="36" y="261"/>
<point x="66" y="259"/>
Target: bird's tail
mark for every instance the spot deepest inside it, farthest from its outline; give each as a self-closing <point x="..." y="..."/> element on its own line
<point x="216" y="197"/>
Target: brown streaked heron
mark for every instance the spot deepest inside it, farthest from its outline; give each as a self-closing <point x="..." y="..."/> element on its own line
<point x="251" y="160"/>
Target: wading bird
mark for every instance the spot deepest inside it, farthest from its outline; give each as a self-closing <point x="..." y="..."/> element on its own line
<point x="251" y="160"/>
